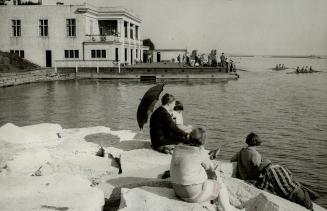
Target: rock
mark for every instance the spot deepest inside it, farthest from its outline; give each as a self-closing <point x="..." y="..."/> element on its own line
<point x="265" y="201"/>
<point x="145" y="163"/>
<point x="154" y="198"/>
<point x="225" y="169"/>
<point x="240" y="192"/>
<point x="45" y="131"/>
<point x="11" y="133"/>
<point x="85" y="165"/>
<point x="242" y="195"/>
<point x="27" y="161"/>
<point x="112" y="186"/>
<point x="57" y="192"/>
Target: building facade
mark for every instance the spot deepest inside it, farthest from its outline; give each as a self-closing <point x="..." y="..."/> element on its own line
<point x="65" y="35"/>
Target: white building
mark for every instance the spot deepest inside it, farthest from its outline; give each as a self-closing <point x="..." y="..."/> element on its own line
<point x="62" y="35"/>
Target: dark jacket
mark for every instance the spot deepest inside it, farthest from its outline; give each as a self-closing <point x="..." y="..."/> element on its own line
<point x="163" y="130"/>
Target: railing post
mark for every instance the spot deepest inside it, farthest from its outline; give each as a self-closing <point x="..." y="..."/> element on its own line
<point x="76" y="67"/>
<point x="119" y="66"/>
<point x="97" y="67"/>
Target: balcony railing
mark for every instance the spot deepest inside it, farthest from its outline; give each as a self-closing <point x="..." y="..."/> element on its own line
<point x="102" y="38"/>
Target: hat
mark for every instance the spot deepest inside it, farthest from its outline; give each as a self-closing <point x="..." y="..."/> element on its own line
<point x="178" y="106"/>
<point x="264" y="164"/>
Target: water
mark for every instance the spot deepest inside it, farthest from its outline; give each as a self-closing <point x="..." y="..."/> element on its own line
<point x="288" y="111"/>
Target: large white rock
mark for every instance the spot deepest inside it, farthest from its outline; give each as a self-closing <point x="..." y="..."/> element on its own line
<point x="13" y="134"/>
<point x="27" y="161"/>
<point x="57" y="192"/>
<point x="242" y="195"/>
<point x="157" y="199"/>
<point x="45" y="131"/>
<point x="266" y="201"/>
<point x="145" y="163"/>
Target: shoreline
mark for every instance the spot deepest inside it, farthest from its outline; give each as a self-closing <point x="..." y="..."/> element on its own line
<point x="36" y="157"/>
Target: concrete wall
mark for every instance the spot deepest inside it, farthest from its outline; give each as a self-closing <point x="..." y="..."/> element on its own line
<point x="41" y="75"/>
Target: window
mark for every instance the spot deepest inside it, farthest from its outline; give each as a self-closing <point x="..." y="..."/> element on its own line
<point x="71" y="54"/>
<point x="16" y="28"/>
<point x="43" y="25"/>
<point x="19" y="53"/>
<point x="125" y="54"/>
<point x="98" y="54"/>
<point x="125" y="27"/>
<point x="71" y="27"/>
<point x="136" y="52"/>
<point x="116" y="55"/>
<point x="131" y="32"/>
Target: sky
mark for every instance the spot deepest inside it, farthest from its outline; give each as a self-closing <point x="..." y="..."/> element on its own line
<point x="260" y="27"/>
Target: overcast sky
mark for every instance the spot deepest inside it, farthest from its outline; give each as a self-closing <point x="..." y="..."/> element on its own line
<point x="233" y="26"/>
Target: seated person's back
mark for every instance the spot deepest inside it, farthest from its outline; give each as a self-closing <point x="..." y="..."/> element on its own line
<point x="248" y="159"/>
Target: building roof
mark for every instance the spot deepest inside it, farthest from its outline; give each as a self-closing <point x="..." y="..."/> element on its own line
<point x="98" y="11"/>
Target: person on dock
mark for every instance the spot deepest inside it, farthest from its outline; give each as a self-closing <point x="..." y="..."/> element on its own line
<point x="177" y="115"/>
<point x="223" y="60"/>
<point x="164" y="133"/>
<point x="193" y="174"/>
<point x="179" y="58"/>
<point x="248" y="159"/>
<point x="283" y="67"/>
<point x="279" y="180"/>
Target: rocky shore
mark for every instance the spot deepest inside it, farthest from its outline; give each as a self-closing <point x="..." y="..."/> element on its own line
<point x="46" y="167"/>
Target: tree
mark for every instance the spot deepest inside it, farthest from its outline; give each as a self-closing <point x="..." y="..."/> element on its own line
<point x="149" y="43"/>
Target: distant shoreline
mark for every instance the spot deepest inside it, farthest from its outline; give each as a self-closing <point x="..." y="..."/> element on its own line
<point x="300" y="57"/>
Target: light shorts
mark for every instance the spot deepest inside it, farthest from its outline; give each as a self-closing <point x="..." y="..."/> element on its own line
<point x="209" y="190"/>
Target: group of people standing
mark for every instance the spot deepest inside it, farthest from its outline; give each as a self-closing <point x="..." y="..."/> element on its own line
<point x="211" y="61"/>
<point x="192" y="171"/>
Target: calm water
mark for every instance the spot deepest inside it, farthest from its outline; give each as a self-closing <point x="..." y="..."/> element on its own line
<point x="288" y="111"/>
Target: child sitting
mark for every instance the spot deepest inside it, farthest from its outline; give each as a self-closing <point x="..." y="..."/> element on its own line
<point x="178" y="117"/>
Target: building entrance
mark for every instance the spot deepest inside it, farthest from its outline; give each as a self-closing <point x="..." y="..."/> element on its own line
<point x="48" y="59"/>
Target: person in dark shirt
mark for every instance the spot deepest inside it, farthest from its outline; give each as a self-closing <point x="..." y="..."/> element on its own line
<point x="248" y="159"/>
<point x="164" y="133"/>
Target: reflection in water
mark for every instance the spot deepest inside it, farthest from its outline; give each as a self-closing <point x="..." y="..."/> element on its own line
<point x="288" y="111"/>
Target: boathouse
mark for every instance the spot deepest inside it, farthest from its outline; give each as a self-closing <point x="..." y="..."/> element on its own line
<point x="71" y="35"/>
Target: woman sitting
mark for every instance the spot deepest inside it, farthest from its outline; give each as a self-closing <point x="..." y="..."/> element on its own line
<point x="188" y="168"/>
<point x="177" y="115"/>
<point x="248" y="159"/>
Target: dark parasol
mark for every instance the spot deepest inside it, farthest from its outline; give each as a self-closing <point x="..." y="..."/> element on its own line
<point x="147" y="104"/>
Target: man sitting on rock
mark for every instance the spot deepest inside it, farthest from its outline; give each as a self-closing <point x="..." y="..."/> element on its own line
<point x="164" y="133"/>
<point x="278" y="180"/>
